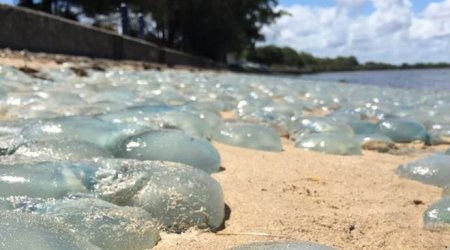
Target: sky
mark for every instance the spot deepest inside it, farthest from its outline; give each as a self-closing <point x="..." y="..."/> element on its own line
<point x="393" y="31"/>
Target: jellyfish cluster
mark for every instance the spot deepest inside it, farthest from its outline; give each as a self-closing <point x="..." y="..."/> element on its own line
<point x="432" y="170"/>
<point x="110" y="158"/>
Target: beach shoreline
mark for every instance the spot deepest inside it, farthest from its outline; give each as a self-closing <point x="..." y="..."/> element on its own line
<point x="348" y="202"/>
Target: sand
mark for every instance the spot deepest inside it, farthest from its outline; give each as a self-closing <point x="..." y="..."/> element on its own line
<point x="349" y="202"/>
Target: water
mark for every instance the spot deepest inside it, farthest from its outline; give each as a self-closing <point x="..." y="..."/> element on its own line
<point x="435" y="79"/>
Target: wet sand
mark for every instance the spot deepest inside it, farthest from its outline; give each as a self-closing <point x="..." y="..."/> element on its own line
<point x="349" y="202"/>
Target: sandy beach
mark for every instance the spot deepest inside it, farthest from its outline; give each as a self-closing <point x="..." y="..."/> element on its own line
<point x="349" y="202"/>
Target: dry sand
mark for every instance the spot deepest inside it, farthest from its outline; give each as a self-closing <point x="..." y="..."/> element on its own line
<point x="349" y="202"/>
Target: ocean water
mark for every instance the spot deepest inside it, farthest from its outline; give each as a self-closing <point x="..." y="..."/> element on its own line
<point x="433" y="79"/>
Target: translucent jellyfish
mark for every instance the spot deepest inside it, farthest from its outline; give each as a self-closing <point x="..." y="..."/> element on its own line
<point x="400" y="130"/>
<point x="177" y="195"/>
<point x="437" y="216"/>
<point x="439" y="133"/>
<point x="213" y="118"/>
<point x="377" y="142"/>
<point x="446" y="191"/>
<point x="10" y="127"/>
<point x="364" y="138"/>
<point x="433" y="170"/>
<point x="186" y="121"/>
<point x="59" y="98"/>
<point x="330" y="143"/>
<point x="436" y="138"/>
<point x="21" y="203"/>
<point x="31" y="112"/>
<point x="9" y="143"/>
<point x="142" y="115"/>
<point x="313" y="124"/>
<point x="25" y="231"/>
<point x="45" y="104"/>
<point x="45" y="180"/>
<point x="62" y="150"/>
<point x="5" y="204"/>
<point x="266" y="111"/>
<point x="162" y="116"/>
<point x="171" y="145"/>
<point x="100" y="108"/>
<point x="248" y="135"/>
<point x="283" y="245"/>
<point x="104" y="224"/>
<point x="118" y="95"/>
<point x="363" y="127"/>
<point x="101" y="133"/>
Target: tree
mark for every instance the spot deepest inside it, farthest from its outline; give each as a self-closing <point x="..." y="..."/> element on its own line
<point x="267" y="55"/>
<point x="291" y="57"/>
<point x="307" y="59"/>
<point x="210" y="28"/>
<point x="63" y="7"/>
<point x="43" y="5"/>
<point x="26" y="3"/>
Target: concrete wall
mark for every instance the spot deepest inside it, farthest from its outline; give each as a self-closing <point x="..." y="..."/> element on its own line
<point x="24" y="29"/>
<point x="173" y="57"/>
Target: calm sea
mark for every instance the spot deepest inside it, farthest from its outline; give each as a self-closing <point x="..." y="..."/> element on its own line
<point x="435" y="79"/>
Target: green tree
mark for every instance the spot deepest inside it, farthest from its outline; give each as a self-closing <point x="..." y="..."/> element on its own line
<point x="267" y="55"/>
<point x="63" y="7"/>
<point x="26" y="3"/>
<point x="210" y="28"/>
<point x="291" y="57"/>
<point x="307" y="59"/>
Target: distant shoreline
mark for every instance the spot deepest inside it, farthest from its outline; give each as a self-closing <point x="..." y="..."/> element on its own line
<point x="303" y="72"/>
<point x="37" y="60"/>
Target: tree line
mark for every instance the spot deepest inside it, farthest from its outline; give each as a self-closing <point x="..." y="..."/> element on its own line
<point x="286" y="59"/>
<point x="214" y="29"/>
<point x="211" y="28"/>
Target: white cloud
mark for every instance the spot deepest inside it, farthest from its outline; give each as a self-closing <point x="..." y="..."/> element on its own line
<point x="434" y="22"/>
<point x="392" y="32"/>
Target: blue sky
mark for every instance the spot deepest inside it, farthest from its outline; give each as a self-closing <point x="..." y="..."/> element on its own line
<point x="418" y="5"/>
<point x="393" y="31"/>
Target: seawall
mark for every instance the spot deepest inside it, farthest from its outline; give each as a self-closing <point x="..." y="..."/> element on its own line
<point x="25" y="29"/>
